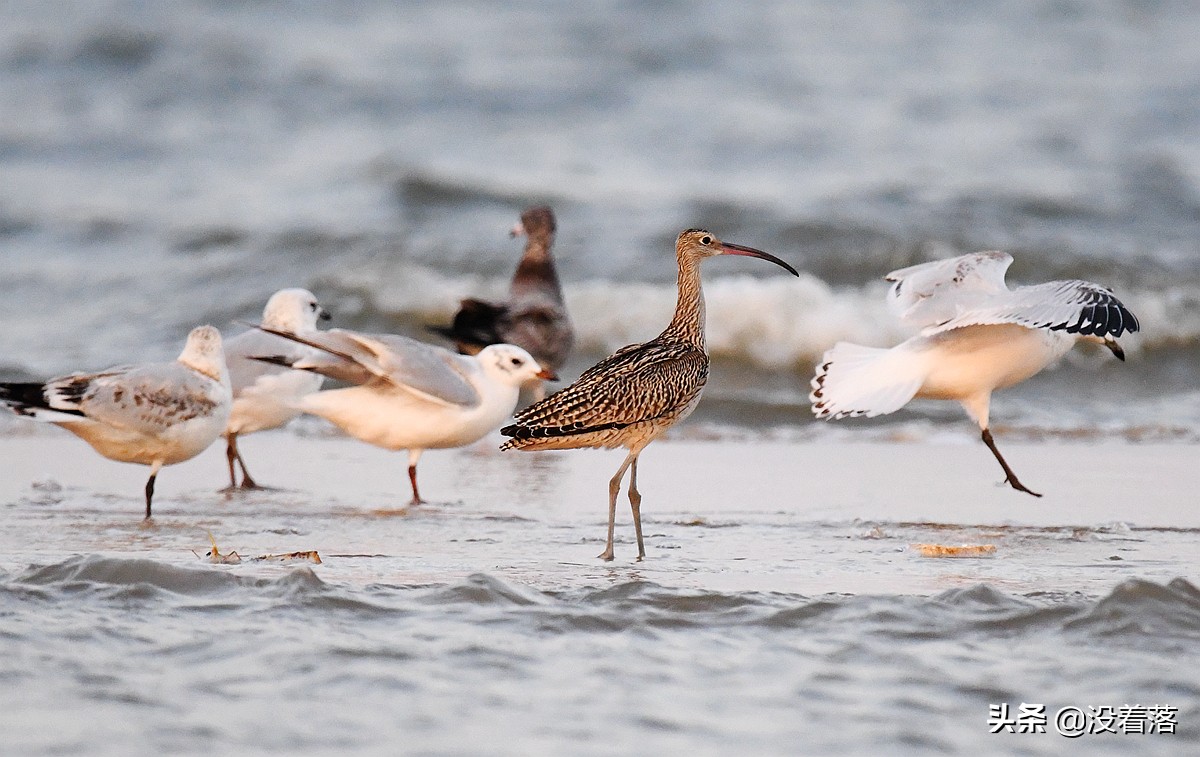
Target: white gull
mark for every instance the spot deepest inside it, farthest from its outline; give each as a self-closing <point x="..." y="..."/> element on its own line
<point x="406" y="394"/>
<point x="265" y="395"/>
<point x="977" y="336"/>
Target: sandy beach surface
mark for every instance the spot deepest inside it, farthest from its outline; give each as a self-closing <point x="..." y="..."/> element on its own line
<point x="806" y="518"/>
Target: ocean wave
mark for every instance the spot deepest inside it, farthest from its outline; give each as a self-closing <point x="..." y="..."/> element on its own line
<point x="98" y="572"/>
<point x="778" y="323"/>
<point x="1135" y="608"/>
<point x="104" y="574"/>
<point x="1144" y="608"/>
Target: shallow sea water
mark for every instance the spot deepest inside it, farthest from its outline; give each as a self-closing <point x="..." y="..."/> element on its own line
<point x="761" y="622"/>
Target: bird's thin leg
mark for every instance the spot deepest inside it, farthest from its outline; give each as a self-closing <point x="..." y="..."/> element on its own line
<point x="231" y="455"/>
<point x="247" y="482"/>
<point x="614" y="487"/>
<point x="1010" y="477"/>
<point x="635" y="504"/>
<point x="413" y="456"/>
<point x="154" y="469"/>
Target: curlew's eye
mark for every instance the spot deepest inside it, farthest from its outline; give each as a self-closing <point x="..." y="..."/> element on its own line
<point x="706" y="240"/>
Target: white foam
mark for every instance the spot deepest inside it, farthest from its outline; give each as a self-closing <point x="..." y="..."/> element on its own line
<point x="776" y="322"/>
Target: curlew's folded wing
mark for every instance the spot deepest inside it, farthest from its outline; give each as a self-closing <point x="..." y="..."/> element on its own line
<point x="637" y="383"/>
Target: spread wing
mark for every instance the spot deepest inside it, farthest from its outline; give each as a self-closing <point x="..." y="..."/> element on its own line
<point x="930" y="294"/>
<point x="1073" y="306"/>
<point x="637" y="383"/>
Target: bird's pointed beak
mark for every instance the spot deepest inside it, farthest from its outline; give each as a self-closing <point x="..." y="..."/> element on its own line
<point x="737" y="249"/>
<point x="518" y="230"/>
<point x="547" y="375"/>
<point x="324" y="315"/>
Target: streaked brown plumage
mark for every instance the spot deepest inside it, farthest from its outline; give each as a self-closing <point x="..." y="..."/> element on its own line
<point x="634" y="395"/>
<point x="534" y="316"/>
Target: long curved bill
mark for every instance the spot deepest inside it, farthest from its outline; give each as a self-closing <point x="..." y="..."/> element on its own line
<point x="737" y="249"/>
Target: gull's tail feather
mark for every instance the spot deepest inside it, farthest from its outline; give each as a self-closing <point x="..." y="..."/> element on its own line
<point x="23" y="393"/>
<point x="31" y="401"/>
<point x="855" y="380"/>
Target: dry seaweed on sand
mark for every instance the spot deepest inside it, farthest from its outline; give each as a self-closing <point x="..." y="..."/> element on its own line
<point x="233" y="558"/>
<point x="946" y="550"/>
<point x="306" y="556"/>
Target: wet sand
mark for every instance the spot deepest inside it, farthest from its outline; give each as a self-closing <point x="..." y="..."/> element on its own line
<point x="803" y="518"/>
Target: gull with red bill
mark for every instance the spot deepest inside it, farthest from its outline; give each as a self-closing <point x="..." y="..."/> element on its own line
<point x="406" y="394"/>
<point x="631" y="397"/>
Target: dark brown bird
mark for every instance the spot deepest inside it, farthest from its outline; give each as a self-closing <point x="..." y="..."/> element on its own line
<point x="634" y="395"/>
<point x="534" y="315"/>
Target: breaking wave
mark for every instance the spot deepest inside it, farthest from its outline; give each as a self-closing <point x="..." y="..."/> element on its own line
<point x="778" y="323"/>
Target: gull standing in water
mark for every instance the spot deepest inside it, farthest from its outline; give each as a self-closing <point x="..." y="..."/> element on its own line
<point x="406" y="394"/>
<point x="534" y="316"/>
<point x="158" y="414"/>
<point x="264" y="396"/>
<point x="634" y="395"/>
<point x="977" y="336"/>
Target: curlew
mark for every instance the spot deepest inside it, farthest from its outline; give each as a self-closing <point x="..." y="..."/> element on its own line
<point x="634" y="395"/>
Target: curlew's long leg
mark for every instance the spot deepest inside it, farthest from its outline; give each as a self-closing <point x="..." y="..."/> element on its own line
<point x="154" y="469"/>
<point x="1010" y="477"/>
<point x="635" y="504"/>
<point x="614" y="487"/>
